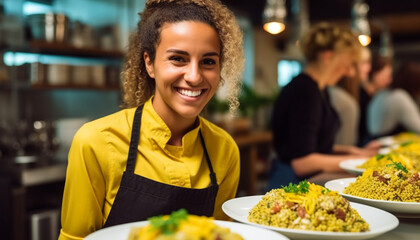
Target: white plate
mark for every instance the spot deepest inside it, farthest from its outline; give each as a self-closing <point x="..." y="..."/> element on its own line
<point x="379" y="221"/>
<point x="386" y="141"/>
<point x="120" y="232"/>
<point x="351" y="165"/>
<point x="401" y="209"/>
<point x="385" y="150"/>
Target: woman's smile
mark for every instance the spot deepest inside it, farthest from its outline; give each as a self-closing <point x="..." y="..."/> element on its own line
<point x="189" y="92"/>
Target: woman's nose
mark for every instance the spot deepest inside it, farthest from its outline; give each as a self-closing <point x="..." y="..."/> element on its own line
<point x="193" y="73"/>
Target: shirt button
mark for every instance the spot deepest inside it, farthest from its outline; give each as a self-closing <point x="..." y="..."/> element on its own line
<point x="181" y="182"/>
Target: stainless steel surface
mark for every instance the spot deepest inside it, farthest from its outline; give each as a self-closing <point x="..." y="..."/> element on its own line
<point x="42" y="175"/>
<point x="45" y="225"/>
<point x="34" y="173"/>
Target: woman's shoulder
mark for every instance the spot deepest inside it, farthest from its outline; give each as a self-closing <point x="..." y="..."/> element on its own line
<point x="302" y="85"/>
<point x="400" y="93"/>
<point x="302" y="79"/>
<point x="216" y="133"/>
<point x="341" y="98"/>
<point x="219" y="143"/>
<point x="120" y="121"/>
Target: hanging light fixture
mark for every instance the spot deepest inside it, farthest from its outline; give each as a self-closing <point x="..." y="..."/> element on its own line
<point x="274" y="15"/>
<point x="385" y="40"/>
<point x="360" y="23"/>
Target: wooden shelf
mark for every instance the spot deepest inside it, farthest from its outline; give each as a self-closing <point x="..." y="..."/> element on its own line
<point x="74" y="87"/>
<point x="57" y="48"/>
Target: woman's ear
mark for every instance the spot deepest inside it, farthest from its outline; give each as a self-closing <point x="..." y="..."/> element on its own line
<point x="149" y="65"/>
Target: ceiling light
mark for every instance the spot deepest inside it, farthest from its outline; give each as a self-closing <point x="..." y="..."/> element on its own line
<point x="359" y="21"/>
<point x="273" y="16"/>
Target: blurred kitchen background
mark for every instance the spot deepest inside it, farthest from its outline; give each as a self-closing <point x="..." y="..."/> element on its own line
<point x="60" y="64"/>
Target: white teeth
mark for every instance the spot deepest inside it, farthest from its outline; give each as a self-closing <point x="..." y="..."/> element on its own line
<point x="190" y="93"/>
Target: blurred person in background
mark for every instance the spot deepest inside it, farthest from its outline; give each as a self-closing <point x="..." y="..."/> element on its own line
<point x="344" y="99"/>
<point x="304" y="123"/>
<point x="393" y="110"/>
<point x="158" y="155"/>
<point x="376" y="74"/>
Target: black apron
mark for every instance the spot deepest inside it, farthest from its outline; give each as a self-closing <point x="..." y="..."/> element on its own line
<point x="139" y="198"/>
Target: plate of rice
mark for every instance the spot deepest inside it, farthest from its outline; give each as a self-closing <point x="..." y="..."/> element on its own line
<point x="316" y="214"/>
<point x="182" y="226"/>
<point x="407" y="154"/>
<point x="392" y="188"/>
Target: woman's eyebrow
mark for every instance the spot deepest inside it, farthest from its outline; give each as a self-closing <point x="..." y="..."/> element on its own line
<point x="177" y="51"/>
<point x="211" y="54"/>
<point x="186" y="53"/>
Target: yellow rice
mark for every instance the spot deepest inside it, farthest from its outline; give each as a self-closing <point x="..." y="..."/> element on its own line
<point x="386" y="183"/>
<point x="321" y="207"/>
<point x="192" y="228"/>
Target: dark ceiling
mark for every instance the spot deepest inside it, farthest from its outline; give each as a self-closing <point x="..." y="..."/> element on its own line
<point x="402" y="16"/>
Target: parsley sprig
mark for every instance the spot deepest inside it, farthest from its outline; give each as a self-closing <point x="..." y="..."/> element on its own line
<point x="302" y="187"/>
<point x="397" y="165"/>
<point x="406" y="143"/>
<point x="168" y="226"/>
<point x="380" y="156"/>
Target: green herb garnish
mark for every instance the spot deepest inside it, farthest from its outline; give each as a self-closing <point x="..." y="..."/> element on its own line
<point x="406" y="143"/>
<point x="380" y="156"/>
<point x="168" y="226"/>
<point x="325" y="191"/>
<point x="302" y="187"/>
<point x="397" y="165"/>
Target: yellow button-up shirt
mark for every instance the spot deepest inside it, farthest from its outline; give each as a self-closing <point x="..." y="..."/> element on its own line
<point x="98" y="157"/>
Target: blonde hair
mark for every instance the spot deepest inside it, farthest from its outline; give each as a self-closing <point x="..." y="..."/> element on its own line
<point x="326" y="36"/>
<point x="137" y="85"/>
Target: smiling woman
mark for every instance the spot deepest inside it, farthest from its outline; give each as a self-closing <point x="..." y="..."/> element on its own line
<point x="188" y="76"/>
<point x="159" y="155"/>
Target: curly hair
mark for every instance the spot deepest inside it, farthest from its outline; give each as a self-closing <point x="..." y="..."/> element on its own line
<point x="326" y="36"/>
<point x="137" y="85"/>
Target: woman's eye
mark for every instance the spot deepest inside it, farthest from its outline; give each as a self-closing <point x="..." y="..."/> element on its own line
<point x="177" y="59"/>
<point x="209" y="61"/>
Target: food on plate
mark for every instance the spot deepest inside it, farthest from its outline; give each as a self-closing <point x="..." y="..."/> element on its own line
<point x="382" y="160"/>
<point x="406" y="137"/>
<point x="182" y="226"/>
<point x="307" y="206"/>
<point x="407" y="153"/>
<point x="393" y="182"/>
<point x="410" y="149"/>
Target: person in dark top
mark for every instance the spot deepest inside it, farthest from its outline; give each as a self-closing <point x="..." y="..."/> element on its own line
<point x="304" y="123"/>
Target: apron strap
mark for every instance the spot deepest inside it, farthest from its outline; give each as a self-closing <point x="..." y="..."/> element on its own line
<point x="212" y="174"/>
<point x="135" y="135"/>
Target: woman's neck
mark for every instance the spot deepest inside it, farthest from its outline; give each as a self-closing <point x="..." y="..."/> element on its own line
<point x="177" y="124"/>
<point x="315" y="71"/>
<point x="179" y="127"/>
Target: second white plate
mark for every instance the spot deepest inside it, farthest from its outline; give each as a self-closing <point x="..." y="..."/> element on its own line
<point x="379" y="221"/>
<point x="351" y="165"/>
<point x="401" y="209"/>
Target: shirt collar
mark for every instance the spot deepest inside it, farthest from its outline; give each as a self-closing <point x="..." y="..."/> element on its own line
<point x="160" y="132"/>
